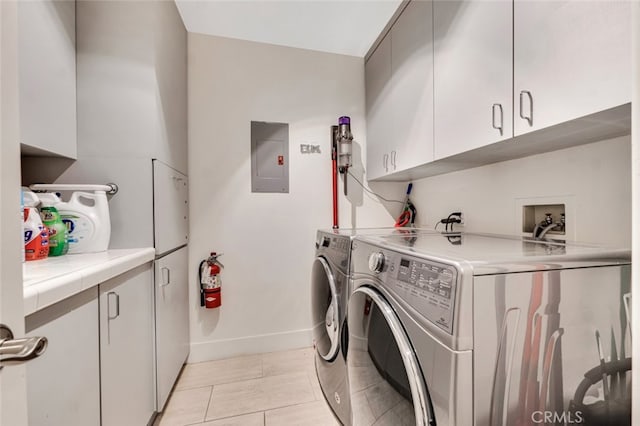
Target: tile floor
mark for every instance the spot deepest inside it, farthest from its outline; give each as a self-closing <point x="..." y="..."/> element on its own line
<point x="278" y="388"/>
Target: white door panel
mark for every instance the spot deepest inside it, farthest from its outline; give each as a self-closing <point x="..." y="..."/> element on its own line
<point x="412" y="87"/>
<point x="170" y="209"/>
<point x="172" y="320"/>
<point x="13" y="395"/>
<point x="378" y="106"/>
<point x="571" y="58"/>
<point x="473" y="71"/>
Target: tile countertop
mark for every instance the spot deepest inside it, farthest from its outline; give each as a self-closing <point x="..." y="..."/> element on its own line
<point x="53" y="279"/>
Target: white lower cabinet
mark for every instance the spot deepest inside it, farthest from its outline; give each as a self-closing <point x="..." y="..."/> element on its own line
<point x="172" y="320"/>
<point x="63" y="385"/>
<point x="98" y="368"/>
<point x="126" y="348"/>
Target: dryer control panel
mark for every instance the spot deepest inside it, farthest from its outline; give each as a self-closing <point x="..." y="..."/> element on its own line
<point x="336" y="248"/>
<point x="427" y="286"/>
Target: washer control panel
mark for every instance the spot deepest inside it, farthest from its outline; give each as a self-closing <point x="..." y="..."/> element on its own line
<point x="428" y="286"/>
<point x="339" y="245"/>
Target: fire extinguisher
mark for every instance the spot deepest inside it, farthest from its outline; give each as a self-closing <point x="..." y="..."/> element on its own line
<point x="210" y="281"/>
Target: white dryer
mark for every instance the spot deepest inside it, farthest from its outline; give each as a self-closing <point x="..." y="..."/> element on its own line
<point x="473" y="329"/>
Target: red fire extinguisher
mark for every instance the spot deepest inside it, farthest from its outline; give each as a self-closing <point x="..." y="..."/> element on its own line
<point x="210" y="281"/>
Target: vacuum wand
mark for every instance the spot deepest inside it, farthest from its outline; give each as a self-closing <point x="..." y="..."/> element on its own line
<point x="345" y="142"/>
<point x="334" y="173"/>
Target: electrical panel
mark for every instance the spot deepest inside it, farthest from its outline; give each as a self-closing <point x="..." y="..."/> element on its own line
<point x="269" y="157"/>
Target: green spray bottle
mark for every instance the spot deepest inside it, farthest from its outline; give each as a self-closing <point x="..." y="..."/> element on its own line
<point x="58" y="232"/>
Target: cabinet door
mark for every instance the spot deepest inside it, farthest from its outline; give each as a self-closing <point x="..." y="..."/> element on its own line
<point x="378" y="106"/>
<point x="170" y="208"/>
<point x="126" y="348"/>
<point x="571" y="58"/>
<point x="63" y="385"/>
<point x="47" y="65"/>
<point x="412" y="86"/>
<point x="172" y="320"/>
<point x="473" y="74"/>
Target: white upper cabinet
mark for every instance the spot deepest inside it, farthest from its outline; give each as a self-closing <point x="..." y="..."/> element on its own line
<point x="498" y="80"/>
<point x="47" y="87"/>
<point x="412" y="87"/>
<point x="378" y="105"/>
<point x="399" y="94"/>
<point x="473" y="74"/>
<point x="571" y="59"/>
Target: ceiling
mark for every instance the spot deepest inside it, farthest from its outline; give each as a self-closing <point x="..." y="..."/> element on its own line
<point x="346" y="27"/>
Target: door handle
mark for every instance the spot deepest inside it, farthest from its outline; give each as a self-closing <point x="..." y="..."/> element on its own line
<point x="393" y="159"/>
<point x="385" y="158"/>
<point x="529" y="118"/>
<point x="493" y="117"/>
<point x="117" y="299"/>
<point x="166" y="277"/>
<point x="19" y="350"/>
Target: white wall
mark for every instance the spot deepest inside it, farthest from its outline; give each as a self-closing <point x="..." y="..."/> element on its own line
<point x="267" y="239"/>
<point x="592" y="180"/>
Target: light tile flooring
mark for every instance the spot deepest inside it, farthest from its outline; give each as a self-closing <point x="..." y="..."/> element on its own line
<point x="273" y="389"/>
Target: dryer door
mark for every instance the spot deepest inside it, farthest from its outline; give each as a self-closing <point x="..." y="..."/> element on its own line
<point x="325" y="310"/>
<point x="385" y="381"/>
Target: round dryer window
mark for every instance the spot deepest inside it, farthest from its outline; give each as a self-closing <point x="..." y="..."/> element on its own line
<point x="385" y="380"/>
<point x="326" y="318"/>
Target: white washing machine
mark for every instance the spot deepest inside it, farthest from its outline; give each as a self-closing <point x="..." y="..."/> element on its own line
<point x="473" y="329"/>
<point x="329" y="295"/>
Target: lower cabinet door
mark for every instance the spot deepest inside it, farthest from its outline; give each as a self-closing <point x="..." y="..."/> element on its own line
<point x="126" y="348"/>
<point x="172" y="320"/>
<point x="63" y="385"/>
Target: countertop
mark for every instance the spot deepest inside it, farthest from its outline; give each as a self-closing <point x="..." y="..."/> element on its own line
<point x="53" y="279"/>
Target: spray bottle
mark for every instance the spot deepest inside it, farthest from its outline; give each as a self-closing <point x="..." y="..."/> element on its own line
<point x="36" y="236"/>
<point x="58" y="233"/>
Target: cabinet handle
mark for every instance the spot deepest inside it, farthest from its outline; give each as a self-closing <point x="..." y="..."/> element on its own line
<point x="109" y="316"/>
<point x="529" y="118"/>
<point x="167" y="281"/>
<point x="393" y="159"/>
<point x="385" y="158"/>
<point x="493" y="117"/>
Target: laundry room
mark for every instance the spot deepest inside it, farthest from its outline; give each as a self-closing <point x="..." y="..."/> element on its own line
<point x="318" y="212"/>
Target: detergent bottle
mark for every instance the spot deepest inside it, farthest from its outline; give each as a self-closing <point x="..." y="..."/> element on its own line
<point x="58" y="233"/>
<point x="86" y="216"/>
<point x="36" y="236"/>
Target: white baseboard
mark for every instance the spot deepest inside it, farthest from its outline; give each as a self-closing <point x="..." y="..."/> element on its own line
<point x="226" y="348"/>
